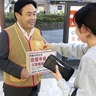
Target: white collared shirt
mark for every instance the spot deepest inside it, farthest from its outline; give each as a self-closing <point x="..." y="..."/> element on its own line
<point x="25" y="33"/>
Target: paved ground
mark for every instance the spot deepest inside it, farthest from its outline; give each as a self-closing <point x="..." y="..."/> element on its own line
<point x="51" y="36"/>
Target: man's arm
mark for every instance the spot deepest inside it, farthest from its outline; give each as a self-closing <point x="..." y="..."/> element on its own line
<point x="5" y="64"/>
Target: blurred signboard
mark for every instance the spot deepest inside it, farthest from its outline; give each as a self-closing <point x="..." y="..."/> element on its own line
<point x="48" y="0"/>
<point x="72" y="37"/>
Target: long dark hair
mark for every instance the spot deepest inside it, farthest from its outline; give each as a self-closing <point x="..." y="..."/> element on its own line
<point x="87" y="16"/>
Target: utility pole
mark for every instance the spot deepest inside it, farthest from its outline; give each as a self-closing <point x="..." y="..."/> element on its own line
<point x="2" y="17"/>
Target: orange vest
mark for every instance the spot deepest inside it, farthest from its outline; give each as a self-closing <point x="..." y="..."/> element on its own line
<point x="17" y="54"/>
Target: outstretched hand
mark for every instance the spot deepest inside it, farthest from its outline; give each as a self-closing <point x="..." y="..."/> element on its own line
<point x="47" y="46"/>
<point x="57" y="75"/>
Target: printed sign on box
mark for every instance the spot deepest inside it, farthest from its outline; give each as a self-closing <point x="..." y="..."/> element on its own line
<point x="35" y="61"/>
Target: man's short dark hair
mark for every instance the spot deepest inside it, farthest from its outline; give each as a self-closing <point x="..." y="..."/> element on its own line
<point x="21" y="3"/>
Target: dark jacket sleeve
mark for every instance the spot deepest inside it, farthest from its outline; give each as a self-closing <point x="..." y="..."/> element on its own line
<point x="5" y="64"/>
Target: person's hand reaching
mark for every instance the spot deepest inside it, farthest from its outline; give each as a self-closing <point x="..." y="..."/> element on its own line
<point x="47" y="46"/>
<point x="57" y="75"/>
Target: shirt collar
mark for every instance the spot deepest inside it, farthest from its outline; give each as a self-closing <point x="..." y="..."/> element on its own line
<point x="25" y="33"/>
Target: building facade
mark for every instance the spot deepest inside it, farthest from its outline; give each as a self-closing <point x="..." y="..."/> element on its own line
<point x="45" y="6"/>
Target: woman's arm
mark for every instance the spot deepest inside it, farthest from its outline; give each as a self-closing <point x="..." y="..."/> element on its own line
<point x="66" y="87"/>
<point x="68" y="50"/>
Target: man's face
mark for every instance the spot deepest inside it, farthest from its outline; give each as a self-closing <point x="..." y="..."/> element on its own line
<point x="27" y="19"/>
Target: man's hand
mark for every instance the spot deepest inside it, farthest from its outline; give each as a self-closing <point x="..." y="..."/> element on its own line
<point x="24" y="74"/>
